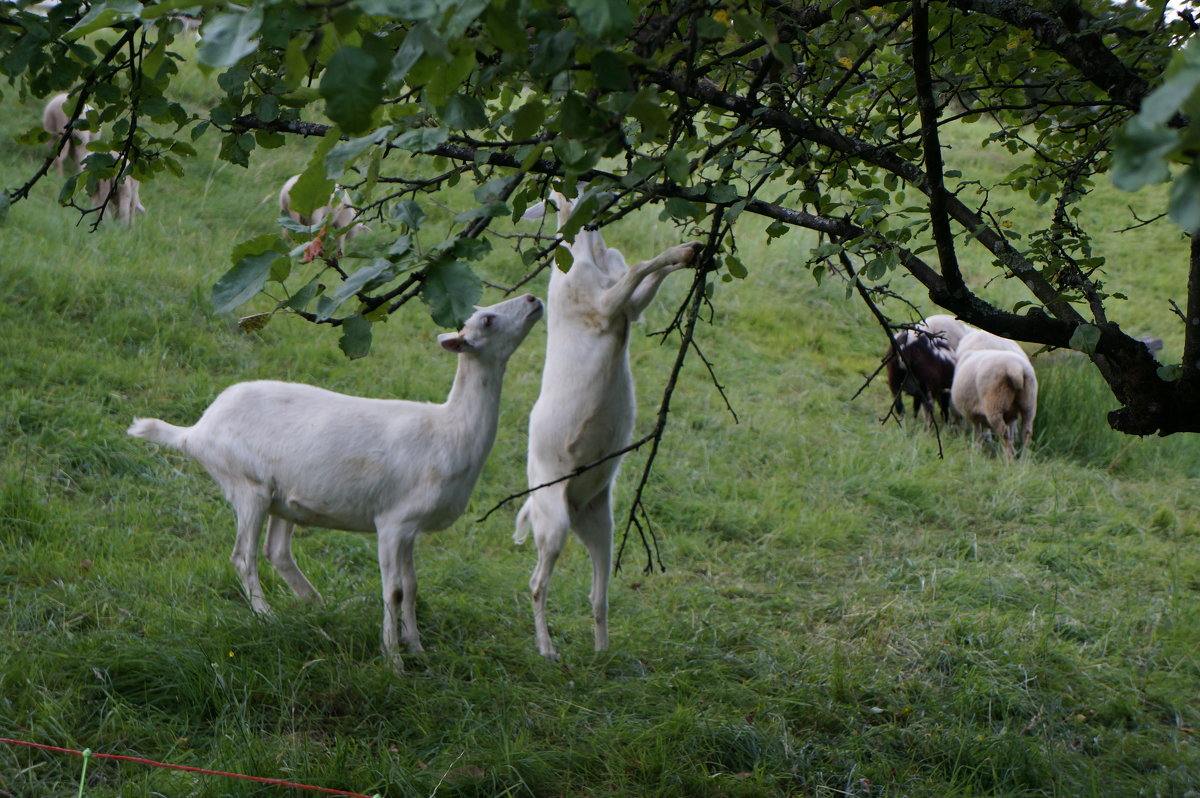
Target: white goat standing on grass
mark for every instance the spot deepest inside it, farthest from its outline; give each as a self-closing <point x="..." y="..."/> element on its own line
<point x="118" y="196"/>
<point x="995" y="388"/>
<point x="343" y="215"/>
<point x="296" y="454"/>
<point x="586" y="408"/>
<point x="54" y="122"/>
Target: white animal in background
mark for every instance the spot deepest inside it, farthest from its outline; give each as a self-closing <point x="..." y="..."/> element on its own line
<point x="586" y="408"/>
<point x="343" y="215"/>
<point x="980" y="340"/>
<point x="995" y="388"/>
<point x="948" y="328"/>
<point x="54" y="122"/>
<point x="295" y="454"/>
<point x="118" y="196"/>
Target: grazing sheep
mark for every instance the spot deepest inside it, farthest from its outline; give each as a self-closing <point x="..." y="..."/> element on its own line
<point x="979" y="340"/>
<point x="586" y="407"/>
<point x="994" y="389"/>
<point x="948" y="328"/>
<point x="54" y="122"/>
<point x="920" y="363"/>
<point x="342" y="218"/>
<point x="296" y="454"/>
<point x="123" y="201"/>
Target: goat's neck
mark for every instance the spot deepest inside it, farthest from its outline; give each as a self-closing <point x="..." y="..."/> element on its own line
<point x="474" y="401"/>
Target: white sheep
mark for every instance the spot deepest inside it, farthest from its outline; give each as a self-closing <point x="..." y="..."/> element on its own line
<point x="296" y="454"/>
<point x="995" y="388"/>
<point x="586" y="408"/>
<point x="342" y="218"/>
<point x="122" y="201"/>
<point x="980" y="340"/>
<point x="54" y="122"/>
<point x="948" y="328"/>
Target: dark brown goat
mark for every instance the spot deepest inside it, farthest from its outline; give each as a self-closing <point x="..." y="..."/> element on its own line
<point x="921" y="364"/>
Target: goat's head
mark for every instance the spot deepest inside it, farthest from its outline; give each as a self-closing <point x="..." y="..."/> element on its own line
<point x="495" y="331"/>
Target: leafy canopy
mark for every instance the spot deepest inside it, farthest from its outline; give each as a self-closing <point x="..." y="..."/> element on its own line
<point x="824" y="115"/>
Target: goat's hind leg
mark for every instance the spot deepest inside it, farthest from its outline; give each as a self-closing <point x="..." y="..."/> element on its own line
<point x="550" y="522"/>
<point x="594" y="526"/>
<point x="251" y="509"/>
<point x="278" y="549"/>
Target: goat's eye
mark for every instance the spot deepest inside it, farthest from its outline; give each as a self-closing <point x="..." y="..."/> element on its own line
<point x="487" y="320"/>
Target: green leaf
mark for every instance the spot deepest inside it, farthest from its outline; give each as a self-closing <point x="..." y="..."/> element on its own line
<point x="356" y="337"/>
<point x="463" y="113"/>
<point x="736" y="267"/>
<point x="610" y="71"/>
<point x="488" y="209"/>
<point x="529" y="119"/>
<point x="1139" y="156"/>
<point x="722" y="192"/>
<point x="422" y="39"/>
<point x="504" y="28"/>
<point x="1165" y="101"/>
<point x="1085" y="338"/>
<point x="356" y="282"/>
<point x="678" y="165"/>
<point x="446" y="80"/>
<point x="451" y="290"/>
<point x="409" y="213"/>
<point x="352" y="88"/>
<point x="678" y="208"/>
<point x="345" y="152"/>
<point x="422" y="139"/>
<point x="254" y="246"/>
<point x="569" y="151"/>
<point x="602" y="19"/>
<point x="581" y="214"/>
<point x="1184" y="203"/>
<point x="408" y="10"/>
<point x="244" y="280"/>
<point x="313" y="189"/>
<point x="104" y="15"/>
<point x="230" y="37"/>
<point x="551" y="53"/>
<point x="300" y="299"/>
<point x="563" y="259"/>
<point x="1170" y="373"/>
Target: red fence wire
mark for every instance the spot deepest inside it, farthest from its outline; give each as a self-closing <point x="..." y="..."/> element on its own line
<point x="152" y="763"/>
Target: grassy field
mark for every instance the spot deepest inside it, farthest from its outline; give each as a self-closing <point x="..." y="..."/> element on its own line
<point x="843" y="613"/>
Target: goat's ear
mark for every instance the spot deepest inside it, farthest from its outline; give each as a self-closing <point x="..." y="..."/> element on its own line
<point x="455" y="342"/>
<point x="536" y="211"/>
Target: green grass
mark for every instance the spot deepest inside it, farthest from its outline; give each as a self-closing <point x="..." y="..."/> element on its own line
<point x="843" y="613"/>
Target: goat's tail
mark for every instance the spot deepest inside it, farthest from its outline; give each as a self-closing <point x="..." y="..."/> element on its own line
<point x="523" y="523"/>
<point x="152" y="429"/>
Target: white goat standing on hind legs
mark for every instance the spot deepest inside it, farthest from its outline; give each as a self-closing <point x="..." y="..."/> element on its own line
<point x="294" y="454"/>
<point x="586" y="408"/>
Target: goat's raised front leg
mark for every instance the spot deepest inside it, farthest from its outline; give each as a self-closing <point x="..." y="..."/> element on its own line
<point x="399" y="577"/>
<point x="278" y="548"/>
<point x="618" y="299"/>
